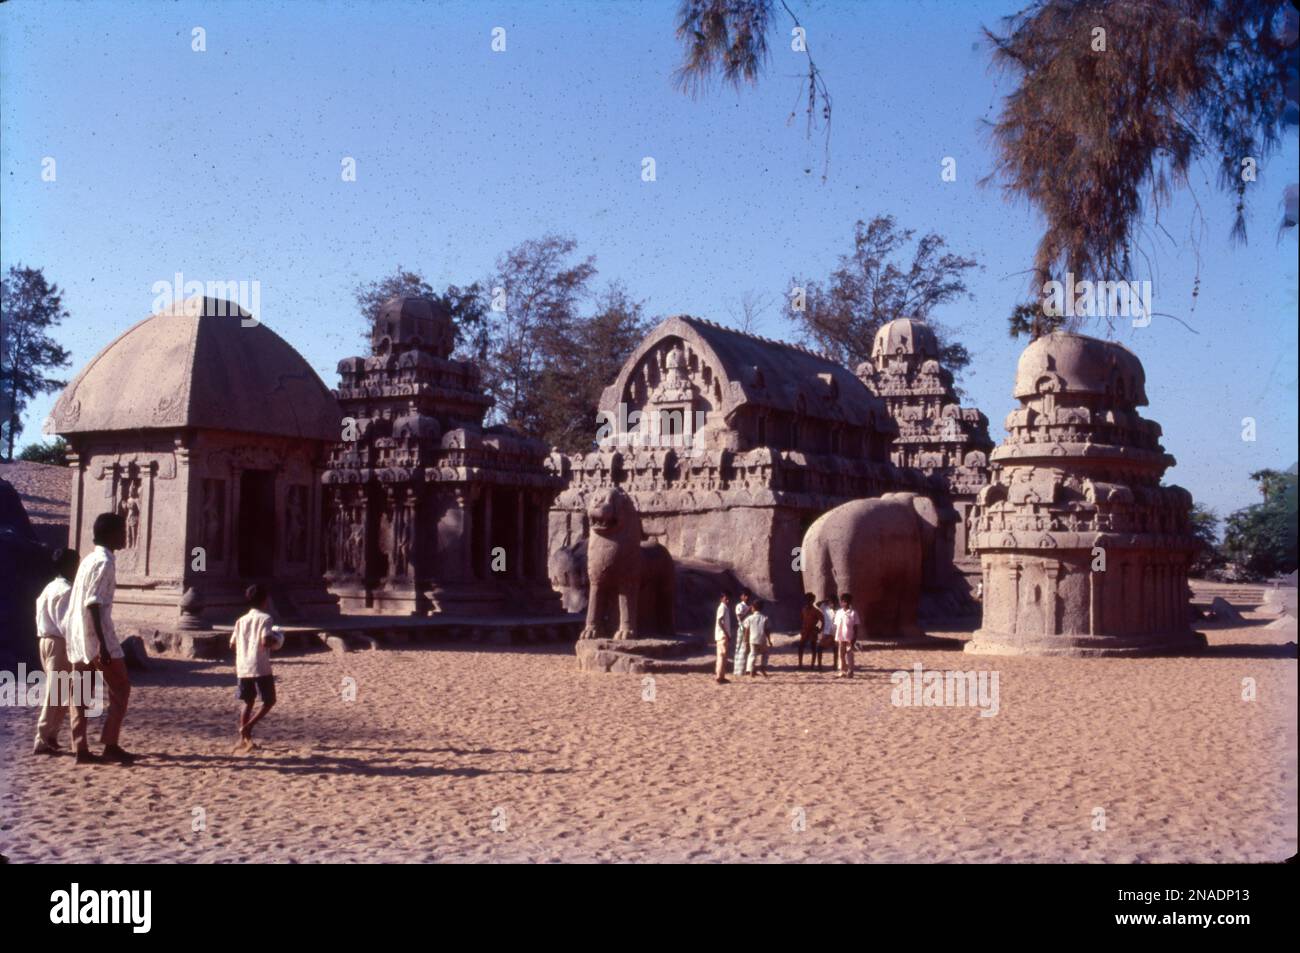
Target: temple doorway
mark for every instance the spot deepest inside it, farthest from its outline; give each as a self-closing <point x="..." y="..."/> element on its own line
<point x="256" y="523"/>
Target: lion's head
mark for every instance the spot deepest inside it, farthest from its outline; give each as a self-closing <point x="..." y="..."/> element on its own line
<point x="608" y="511"/>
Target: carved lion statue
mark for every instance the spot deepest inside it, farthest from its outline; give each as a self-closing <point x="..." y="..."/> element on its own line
<point x="620" y="567"/>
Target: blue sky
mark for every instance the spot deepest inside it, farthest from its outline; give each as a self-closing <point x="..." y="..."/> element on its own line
<point x="225" y="165"/>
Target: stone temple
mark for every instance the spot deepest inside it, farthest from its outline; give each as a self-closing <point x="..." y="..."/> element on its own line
<point x="206" y="431"/>
<point x="936" y="435"/>
<point x="1084" y="552"/>
<point x="730" y="445"/>
<point x="427" y="510"/>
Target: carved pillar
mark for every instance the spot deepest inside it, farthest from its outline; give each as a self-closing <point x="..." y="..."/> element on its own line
<point x="465" y="503"/>
<point x="1013" y="575"/>
<point x="518" y="560"/>
<point x="1096" y="596"/>
<point x="485" y="531"/>
<point x="1052" y="572"/>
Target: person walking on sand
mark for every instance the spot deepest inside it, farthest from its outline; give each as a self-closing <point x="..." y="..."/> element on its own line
<point x="253" y="639"/>
<point x="743" y="609"/>
<point x="846" y="633"/>
<point x="827" y="640"/>
<point x="51" y="634"/>
<point x="759" y="638"/>
<point x="724" y="627"/>
<point x="811" y="622"/>
<point x="93" y="645"/>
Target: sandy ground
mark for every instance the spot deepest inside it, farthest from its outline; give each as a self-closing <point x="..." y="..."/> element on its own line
<point x="468" y="753"/>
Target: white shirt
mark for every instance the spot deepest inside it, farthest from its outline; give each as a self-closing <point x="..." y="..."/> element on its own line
<point x="723" y="625"/>
<point x="252" y="641"/>
<point x="52" y="609"/>
<point x="846" y="625"/>
<point x="94" y="586"/>
<point x="828" y="619"/>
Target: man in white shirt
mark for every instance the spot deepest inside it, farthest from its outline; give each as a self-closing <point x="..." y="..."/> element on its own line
<point x="724" y="626"/>
<point x="93" y="644"/>
<point x="846" y="633"/>
<point x="51" y="621"/>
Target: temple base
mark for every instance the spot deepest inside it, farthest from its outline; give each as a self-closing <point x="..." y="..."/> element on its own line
<point x="986" y="642"/>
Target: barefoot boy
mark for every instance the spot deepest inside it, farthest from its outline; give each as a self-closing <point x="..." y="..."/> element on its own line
<point x="253" y="640"/>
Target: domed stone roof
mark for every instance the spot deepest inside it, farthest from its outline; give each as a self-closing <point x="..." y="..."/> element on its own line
<point x="200" y="368"/>
<point x="909" y="336"/>
<point x="1076" y="364"/>
<point x="414" y="323"/>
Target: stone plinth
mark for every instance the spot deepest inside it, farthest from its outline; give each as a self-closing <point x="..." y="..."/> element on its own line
<point x="641" y="656"/>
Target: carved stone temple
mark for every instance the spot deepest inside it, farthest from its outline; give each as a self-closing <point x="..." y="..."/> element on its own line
<point x="730" y="445"/>
<point x="206" y="432"/>
<point x="936" y="435"/>
<point x="426" y="510"/>
<point x="1084" y="552"/>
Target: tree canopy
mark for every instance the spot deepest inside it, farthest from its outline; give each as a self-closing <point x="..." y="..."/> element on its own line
<point x="876" y="283"/>
<point x="29" y="307"/>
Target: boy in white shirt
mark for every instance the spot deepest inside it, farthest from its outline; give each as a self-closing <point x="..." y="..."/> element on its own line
<point x="92" y="641"/>
<point x="846" y="633"/>
<point x="51" y="635"/>
<point x="723" y="627"/>
<point x="253" y="639"/>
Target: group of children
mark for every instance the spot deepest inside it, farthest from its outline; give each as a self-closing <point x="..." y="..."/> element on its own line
<point x="821" y="626"/>
<point x="77" y="640"/>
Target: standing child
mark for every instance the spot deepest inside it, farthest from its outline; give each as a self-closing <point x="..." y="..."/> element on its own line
<point x="810" y="630"/>
<point x="723" y="627"/>
<point x="846" y="633"/>
<point x="743" y="609"/>
<point x="827" y="639"/>
<point x="760" y="640"/>
<point x="253" y="640"/>
<point x="51" y="631"/>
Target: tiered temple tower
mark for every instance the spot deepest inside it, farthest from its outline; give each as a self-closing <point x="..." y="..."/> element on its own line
<point x="427" y="510"/>
<point x="935" y="433"/>
<point x="1084" y="552"/>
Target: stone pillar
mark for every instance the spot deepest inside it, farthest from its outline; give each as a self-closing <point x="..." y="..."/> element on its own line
<point x="1096" y="599"/>
<point x="1052" y="572"/>
<point x="518" y="561"/>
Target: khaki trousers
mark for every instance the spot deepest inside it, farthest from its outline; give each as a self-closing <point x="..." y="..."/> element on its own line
<point x="54" y="706"/>
<point x="118" y="684"/>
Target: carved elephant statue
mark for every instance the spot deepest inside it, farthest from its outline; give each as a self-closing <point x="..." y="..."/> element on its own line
<point x="874" y="550"/>
<point x="630" y="582"/>
<point x="567" y="569"/>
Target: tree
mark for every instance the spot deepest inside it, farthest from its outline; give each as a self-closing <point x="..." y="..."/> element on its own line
<point x="728" y="39"/>
<point x="534" y="321"/>
<point x="1205" y="529"/>
<point x="466" y="306"/>
<point x="29" y="307"/>
<point x="1033" y="321"/>
<point x="54" y="452"/>
<point x="873" y="285"/>
<point x="601" y="343"/>
<point x="1116" y="100"/>
<point x="1261" y="539"/>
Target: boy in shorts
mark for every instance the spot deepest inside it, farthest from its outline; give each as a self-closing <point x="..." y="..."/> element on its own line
<point x="253" y="640"/>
